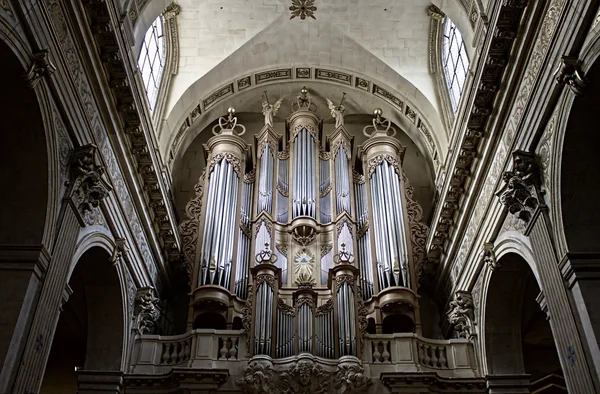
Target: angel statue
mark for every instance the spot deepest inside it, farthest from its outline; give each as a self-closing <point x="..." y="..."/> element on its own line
<point x="337" y="111"/>
<point x="270" y="110"/>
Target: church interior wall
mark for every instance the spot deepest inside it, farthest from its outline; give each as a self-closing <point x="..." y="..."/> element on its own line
<point x="95" y="300"/>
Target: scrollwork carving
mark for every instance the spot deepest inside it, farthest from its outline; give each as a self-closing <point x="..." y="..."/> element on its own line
<point x="461" y="314"/>
<point x="350" y="379"/>
<point x="189" y="228"/>
<point x="258" y="378"/>
<point x="377" y="160"/>
<point x="519" y="191"/>
<point x="230" y="157"/>
<point x="88" y="184"/>
<point x="147" y="312"/>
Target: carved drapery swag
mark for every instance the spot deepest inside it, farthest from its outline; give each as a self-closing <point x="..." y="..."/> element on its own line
<point x="519" y="191"/>
<point x="189" y="228"/>
<point x="418" y="230"/>
<point x="88" y="184"/>
<point x="461" y="314"/>
<point x="303" y="377"/>
<point x="146" y="312"/>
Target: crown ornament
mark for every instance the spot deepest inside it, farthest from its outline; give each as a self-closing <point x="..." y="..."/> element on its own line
<point x="343" y="256"/>
<point x="227" y="125"/>
<point x="303" y="101"/>
<point x="381" y="126"/>
<point x="265" y="256"/>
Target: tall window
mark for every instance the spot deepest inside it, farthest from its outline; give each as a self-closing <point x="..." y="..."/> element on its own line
<point x="454" y="61"/>
<point x="152" y="60"/>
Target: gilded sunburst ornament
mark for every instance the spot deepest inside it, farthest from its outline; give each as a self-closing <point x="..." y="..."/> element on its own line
<point x="303" y="8"/>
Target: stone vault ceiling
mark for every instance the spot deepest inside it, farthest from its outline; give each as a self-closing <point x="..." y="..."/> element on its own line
<point x="212" y="30"/>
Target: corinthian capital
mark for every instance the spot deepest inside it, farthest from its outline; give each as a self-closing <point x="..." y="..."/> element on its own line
<point x="88" y="184"/>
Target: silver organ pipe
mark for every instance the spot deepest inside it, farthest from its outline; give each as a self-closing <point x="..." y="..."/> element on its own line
<point x="304" y="196"/>
<point x="365" y="267"/>
<point x="389" y="226"/>
<point x="346" y="320"/>
<point x="305" y="328"/>
<point x="282" y="190"/>
<point x="326" y="265"/>
<point x="244" y="236"/>
<point x="325" y="191"/>
<point x="285" y="330"/>
<point x="324" y="332"/>
<point x="265" y="180"/>
<point x="282" y="262"/>
<point x="218" y="240"/>
<point x="342" y="181"/>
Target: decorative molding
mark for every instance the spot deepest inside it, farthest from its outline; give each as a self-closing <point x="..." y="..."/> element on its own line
<point x="231" y="158"/>
<point x="303" y="9"/>
<point x="435" y="24"/>
<point x="334" y="76"/>
<point x="273" y="75"/>
<point x="304" y="375"/>
<point x="375" y="161"/>
<point x="489" y="256"/>
<point x="384" y="94"/>
<point x="189" y="228"/>
<point x="303" y="72"/>
<point x="569" y="73"/>
<point x="140" y="144"/>
<point x="169" y="16"/>
<point x="40" y="67"/>
<point x="243" y="83"/>
<point x="217" y="96"/>
<point x="247" y="314"/>
<point x="418" y="231"/>
<point x="361" y="84"/>
<point x="491" y="78"/>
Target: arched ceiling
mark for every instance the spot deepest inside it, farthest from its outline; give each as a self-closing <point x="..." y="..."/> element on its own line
<point x="221" y="42"/>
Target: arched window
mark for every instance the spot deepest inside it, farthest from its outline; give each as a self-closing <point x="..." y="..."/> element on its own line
<point x="455" y="62"/>
<point x="151" y="61"/>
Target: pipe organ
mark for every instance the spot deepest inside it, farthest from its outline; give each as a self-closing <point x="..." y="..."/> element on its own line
<point x="315" y="229"/>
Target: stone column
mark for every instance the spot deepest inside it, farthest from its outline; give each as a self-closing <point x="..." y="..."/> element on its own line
<point x="22" y="270"/>
<point x="88" y="188"/>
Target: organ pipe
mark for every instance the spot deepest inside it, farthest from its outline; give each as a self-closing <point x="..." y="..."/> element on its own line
<point x="342" y="181"/>
<point x="304" y="196"/>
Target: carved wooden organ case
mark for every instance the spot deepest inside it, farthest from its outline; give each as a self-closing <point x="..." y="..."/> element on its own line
<point x="303" y="236"/>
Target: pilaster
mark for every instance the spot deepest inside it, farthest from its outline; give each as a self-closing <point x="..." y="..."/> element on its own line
<point x="88" y="188"/>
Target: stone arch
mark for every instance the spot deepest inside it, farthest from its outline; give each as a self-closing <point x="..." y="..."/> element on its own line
<point x="91" y="333"/>
<point x="580" y="171"/>
<point x="514" y="327"/>
<point x="26" y="151"/>
<point x="29" y="203"/>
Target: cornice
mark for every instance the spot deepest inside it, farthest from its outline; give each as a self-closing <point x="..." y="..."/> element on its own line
<point x="489" y="79"/>
<point x="402" y="104"/>
<point x="136" y="127"/>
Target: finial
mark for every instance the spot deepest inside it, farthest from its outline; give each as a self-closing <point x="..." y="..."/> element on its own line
<point x="381" y="126"/>
<point x="265" y="256"/>
<point x="303" y="101"/>
<point x="228" y="124"/>
<point x="343" y="257"/>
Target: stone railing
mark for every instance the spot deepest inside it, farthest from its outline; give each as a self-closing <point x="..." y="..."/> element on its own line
<point x="197" y="349"/>
<point x="411" y="353"/>
<point x="227" y="349"/>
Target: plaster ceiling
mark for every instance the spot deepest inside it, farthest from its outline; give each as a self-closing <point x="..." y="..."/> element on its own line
<point x="211" y="30"/>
